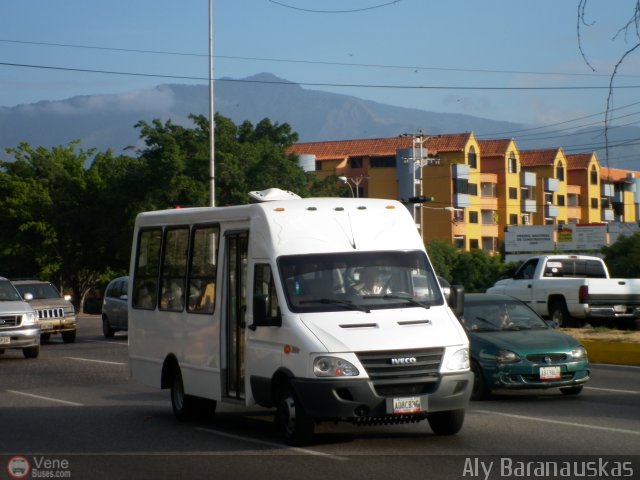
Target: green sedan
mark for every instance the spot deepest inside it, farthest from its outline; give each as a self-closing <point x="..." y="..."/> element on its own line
<point x="512" y="347"/>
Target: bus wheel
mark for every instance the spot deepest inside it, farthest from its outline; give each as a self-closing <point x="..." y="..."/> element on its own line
<point x="446" y="423"/>
<point x="185" y="407"/>
<point x="295" y="426"/>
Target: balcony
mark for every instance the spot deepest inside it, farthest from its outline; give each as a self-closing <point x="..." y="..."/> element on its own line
<point x="608" y="215"/>
<point x="529" y="206"/>
<point x="528" y="179"/>
<point x="551" y="211"/>
<point x="551" y="184"/>
<point x="460" y="170"/>
<point x="607" y="190"/>
<point x="461" y="200"/>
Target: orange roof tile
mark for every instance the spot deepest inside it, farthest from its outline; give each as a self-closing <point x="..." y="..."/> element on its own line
<point x="346" y="148"/>
<point x="538" y="158"/>
<point x="455" y="142"/>
<point x="579" y="161"/>
<point x="494" y="148"/>
<point x="616" y="174"/>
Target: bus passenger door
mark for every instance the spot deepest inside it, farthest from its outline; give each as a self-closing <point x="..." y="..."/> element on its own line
<point x="235" y="308"/>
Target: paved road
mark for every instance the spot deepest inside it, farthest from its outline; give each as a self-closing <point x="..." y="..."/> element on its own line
<point x="76" y="403"/>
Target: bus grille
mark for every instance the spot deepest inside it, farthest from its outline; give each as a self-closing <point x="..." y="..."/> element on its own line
<point x="405" y="372"/>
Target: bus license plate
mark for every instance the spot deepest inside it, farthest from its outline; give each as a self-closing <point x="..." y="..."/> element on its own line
<point x="549" y="373"/>
<point x="407" y="405"/>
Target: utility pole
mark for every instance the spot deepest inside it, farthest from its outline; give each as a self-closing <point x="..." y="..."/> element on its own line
<point x="212" y="127"/>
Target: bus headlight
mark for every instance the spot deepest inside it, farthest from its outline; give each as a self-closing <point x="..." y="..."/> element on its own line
<point x="459" y="360"/>
<point x="333" y="367"/>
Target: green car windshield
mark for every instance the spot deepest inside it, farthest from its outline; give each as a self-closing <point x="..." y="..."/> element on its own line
<point x="504" y="315"/>
<point x="361" y="281"/>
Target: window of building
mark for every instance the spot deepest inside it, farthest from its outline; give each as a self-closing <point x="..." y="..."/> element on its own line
<point x="548" y="198"/>
<point x="383" y="162"/>
<point x="474" y="244"/>
<point x="472" y="158"/>
<point x="473" y="216"/>
<point x="356" y="162"/>
<point x="513" y="219"/>
<point x="512" y="164"/>
<point x="458" y="241"/>
<point x="561" y="200"/>
<point x="560" y="171"/>
<point x="460" y="186"/>
<point x="473" y="189"/>
<point x="593" y="175"/>
<point x="458" y="215"/>
<point x="594" y="203"/>
<point x="513" y="193"/>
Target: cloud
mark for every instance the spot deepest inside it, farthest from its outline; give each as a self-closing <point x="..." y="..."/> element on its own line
<point x="156" y="101"/>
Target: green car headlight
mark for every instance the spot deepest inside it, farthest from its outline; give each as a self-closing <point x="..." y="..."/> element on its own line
<point x="507" y="356"/>
<point x="579" y="353"/>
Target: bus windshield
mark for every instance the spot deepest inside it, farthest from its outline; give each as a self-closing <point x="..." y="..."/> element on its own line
<point x="358" y="281"/>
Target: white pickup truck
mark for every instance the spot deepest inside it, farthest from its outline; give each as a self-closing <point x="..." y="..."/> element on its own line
<point x="572" y="290"/>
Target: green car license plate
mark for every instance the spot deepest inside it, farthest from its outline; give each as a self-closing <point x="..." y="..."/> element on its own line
<point x="549" y="373"/>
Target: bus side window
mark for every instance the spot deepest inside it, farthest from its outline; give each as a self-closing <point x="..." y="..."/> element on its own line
<point x="202" y="269"/>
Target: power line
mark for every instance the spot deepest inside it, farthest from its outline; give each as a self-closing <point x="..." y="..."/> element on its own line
<point x="372" y="7"/>
<point x="323" y="84"/>
<point x="319" y="62"/>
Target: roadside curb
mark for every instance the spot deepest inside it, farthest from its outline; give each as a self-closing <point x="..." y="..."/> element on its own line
<point x="616" y="353"/>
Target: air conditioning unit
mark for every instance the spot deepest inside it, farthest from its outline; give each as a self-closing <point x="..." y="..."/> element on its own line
<point x="525" y="219"/>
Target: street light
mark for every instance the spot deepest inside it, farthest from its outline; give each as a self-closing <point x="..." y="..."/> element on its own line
<point x="346" y="180"/>
<point x="356" y="181"/>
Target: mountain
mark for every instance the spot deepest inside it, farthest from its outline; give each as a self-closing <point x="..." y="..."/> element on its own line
<point x="107" y="121"/>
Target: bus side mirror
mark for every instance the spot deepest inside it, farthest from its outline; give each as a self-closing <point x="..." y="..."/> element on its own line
<point x="456" y="300"/>
<point x="261" y="316"/>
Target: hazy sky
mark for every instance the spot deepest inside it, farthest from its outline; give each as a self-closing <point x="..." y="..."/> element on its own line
<point x="455" y="56"/>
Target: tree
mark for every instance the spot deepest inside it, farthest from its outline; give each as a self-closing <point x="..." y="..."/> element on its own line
<point x="623" y="257"/>
<point x="631" y="28"/>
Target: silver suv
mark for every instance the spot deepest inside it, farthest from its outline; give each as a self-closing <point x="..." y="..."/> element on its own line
<point x="18" y="322"/>
<point x="56" y="314"/>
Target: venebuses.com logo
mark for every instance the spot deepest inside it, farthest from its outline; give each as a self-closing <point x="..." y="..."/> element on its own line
<point x="18" y="467"/>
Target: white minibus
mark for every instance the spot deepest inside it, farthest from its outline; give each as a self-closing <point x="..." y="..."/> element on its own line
<point x="266" y="305"/>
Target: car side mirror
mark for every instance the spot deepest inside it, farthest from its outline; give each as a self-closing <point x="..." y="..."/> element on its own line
<point x="261" y="314"/>
<point x="456" y="300"/>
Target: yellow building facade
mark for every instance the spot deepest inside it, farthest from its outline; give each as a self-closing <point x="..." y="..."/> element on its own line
<point x="476" y="187"/>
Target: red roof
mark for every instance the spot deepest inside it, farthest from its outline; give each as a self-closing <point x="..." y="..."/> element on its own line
<point x="349" y="148"/>
<point x="538" y="158"/>
<point x="455" y="142"/>
<point x="494" y="148"/>
<point x="579" y="161"/>
<point x="615" y="174"/>
<point x="376" y="147"/>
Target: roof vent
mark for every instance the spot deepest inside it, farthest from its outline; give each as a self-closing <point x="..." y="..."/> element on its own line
<point x="271" y="195"/>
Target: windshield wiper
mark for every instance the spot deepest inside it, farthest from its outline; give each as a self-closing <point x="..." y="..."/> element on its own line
<point x="399" y="297"/>
<point x="343" y="303"/>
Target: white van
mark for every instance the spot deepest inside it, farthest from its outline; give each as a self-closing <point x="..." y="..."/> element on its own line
<point x="262" y="304"/>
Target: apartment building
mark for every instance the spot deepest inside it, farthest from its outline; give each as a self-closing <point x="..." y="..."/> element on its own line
<point x="476" y="187"/>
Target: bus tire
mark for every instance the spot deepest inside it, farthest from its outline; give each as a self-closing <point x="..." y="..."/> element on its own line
<point x="446" y="423"/>
<point x="185" y="407"/>
<point x="293" y="423"/>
